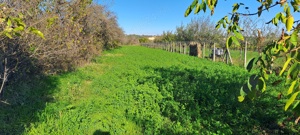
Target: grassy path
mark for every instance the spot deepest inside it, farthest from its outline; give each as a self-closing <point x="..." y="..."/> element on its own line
<point x="137" y="90"/>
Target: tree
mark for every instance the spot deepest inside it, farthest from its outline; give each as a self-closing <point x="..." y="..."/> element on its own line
<point x="199" y="29"/>
<point x="286" y="46"/>
<point x="167" y="36"/>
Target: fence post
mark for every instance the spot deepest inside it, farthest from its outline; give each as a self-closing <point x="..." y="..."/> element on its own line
<point x="245" y="56"/>
<point x="180" y="47"/>
<point x="214" y="52"/>
<point x="184" y="48"/>
<point x="203" y="50"/>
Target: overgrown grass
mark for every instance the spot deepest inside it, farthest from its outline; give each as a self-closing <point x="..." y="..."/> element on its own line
<point x="137" y="90"/>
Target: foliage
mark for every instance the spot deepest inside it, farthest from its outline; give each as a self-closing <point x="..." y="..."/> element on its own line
<point x="167" y="36"/>
<point x="143" y="40"/>
<point x="72" y="33"/>
<point x="287" y="46"/>
<point x="11" y="27"/>
<point x="137" y="90"/>
<point x="199" y="29"/>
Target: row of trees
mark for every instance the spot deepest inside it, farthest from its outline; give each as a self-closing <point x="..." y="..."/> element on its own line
<point x="71" y="33"/>
<point x="202" y="29"/>
<point x="199" y="29"/>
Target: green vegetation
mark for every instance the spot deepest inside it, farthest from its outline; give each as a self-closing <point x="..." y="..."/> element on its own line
<point x="285" y="49"/>
<point x="72" y="33"/>
<point x="137" y="90"/>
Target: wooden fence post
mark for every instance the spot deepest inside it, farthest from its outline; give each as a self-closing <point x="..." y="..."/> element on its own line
<point x="203" y="50"/>
<point x="245" y="56"/>
<point x="214" y="52"/>
<point x="180" y="47"/>
<point x="184" y="48"/>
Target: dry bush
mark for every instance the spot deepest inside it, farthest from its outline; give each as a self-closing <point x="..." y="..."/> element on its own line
<point x="74" y="31"/>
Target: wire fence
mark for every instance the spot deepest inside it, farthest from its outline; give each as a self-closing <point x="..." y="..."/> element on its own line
<point x="201" y="50"/>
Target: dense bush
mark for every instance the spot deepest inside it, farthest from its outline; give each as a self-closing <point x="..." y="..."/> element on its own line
<point x="74" y="31"/>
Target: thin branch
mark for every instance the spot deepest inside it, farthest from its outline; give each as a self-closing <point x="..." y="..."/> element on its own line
<point x="250" y="14"/>
<point x="298" y="21"/>
<point x="5" y="75"/>
<point x="295" y="49"/>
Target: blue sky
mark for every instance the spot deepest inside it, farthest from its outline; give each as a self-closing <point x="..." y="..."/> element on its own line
<point x="152" y="17"/>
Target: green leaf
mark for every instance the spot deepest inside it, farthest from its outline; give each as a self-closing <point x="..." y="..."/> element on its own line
<point x="229" y="42"/>
<point x="265" y="74"/>
<point x="203" y="5"/>
<point x="224" y="25"/>
<point x="295" y="6"/>
<point x="260" y="10"/>
<point x="268" y="4"/>
<point x="292" y="87"/>
<point x="19" y="22"/>
<point x="291" y="100"/>
<point x="238" y="35"/>
<point x="18" y="34"/>
<point x="297" y="57"/>
<point x="195" y="2"/>
<point x="296" y="107"/>
<point x="294" y="37"/>
<point x="275" y="21"/>
<point x="226" y="19"/>
<point x="198" y="8"/>
<point x="218" y="26"/>
<point x="250" y="64"/>
<point x="244" y="90"/>
<point x="289" y="23"/>
<point x="285" y="65"/>
<point x="188" y="11"/>
<point x="287" y="10"/>
<point x="252" y="82"/>
<point x="235" y="7"/>
<point x="294" y="71"/>
<point x="9" y="24"/>
<point x="37" y="32"/>
<point x="282" y="18"/>
<point x="8" y="35"/>
<point x="262" y="84"/>
<point x="241" y="98"/>
<point x="20" y="28"/>
<point x="235" y="41"/>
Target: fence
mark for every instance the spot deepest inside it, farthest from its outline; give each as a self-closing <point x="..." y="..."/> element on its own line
<point x="196" y="49"/>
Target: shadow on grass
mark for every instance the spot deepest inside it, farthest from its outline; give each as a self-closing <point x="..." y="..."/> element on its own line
<point x="99" y="132"/>
<point x="206" y="100"/>
<point x="21" y="102"/>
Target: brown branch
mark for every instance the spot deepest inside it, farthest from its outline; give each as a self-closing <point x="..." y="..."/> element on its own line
<point x="250" y="14"/>
<point x="5" y="75"/>
<point x="295" y="49"/>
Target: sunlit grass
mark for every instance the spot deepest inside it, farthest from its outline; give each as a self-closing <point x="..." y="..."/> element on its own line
<point x="137" y="90"/>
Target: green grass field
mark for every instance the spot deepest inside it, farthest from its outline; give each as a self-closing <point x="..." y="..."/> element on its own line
<point x="137" y="90"/>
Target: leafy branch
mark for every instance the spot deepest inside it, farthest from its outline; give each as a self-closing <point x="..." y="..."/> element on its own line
<point x="286" y="46"/>
<point x="260" y="10"/>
